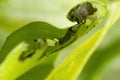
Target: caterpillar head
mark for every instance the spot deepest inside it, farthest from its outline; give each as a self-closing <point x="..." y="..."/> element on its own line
<point x="80" y="12"/>
<point x="87" y="10"/>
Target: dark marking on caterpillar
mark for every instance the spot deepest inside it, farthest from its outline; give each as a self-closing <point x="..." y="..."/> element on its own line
<point x="67" y="36"/>
<point x="25" y="55"/>
<point x="72" y="31"/>
<point x="80" y="12"/>
<point x="35" y="40"/>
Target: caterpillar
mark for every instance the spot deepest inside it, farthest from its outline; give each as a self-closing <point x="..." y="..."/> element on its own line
<point x="36" y="34"/>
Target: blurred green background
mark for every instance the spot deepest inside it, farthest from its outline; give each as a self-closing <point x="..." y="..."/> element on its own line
<point x="104" y="64"/>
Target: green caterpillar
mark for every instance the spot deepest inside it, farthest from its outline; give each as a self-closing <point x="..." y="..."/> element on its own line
<point x="40" y="34"/>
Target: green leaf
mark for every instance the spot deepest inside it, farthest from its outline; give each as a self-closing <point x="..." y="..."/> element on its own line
<point x="36" y="30"/>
